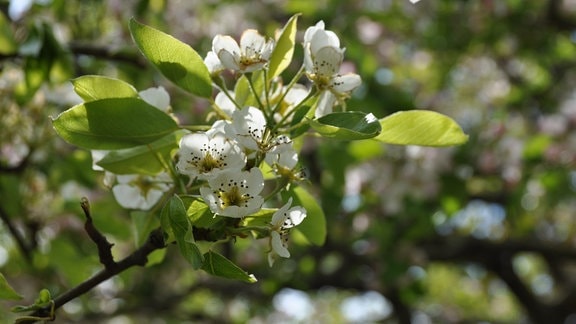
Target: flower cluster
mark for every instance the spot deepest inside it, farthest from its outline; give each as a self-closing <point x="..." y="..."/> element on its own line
<point x="257" y="117"/>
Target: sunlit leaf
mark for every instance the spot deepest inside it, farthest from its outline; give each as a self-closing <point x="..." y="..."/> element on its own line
<point x="148" y="159"/>
<point x="284" y="49"/>
<point x="201" y="216"/>
<point x="421" y="127"/>
<point x="351" y="125"/>
<point x="6" y="291"/>
<point x="177" y="61"/>
<point x="113" y="123"/>
<point x="217" y="265"/>
<point x="94" y="87"/>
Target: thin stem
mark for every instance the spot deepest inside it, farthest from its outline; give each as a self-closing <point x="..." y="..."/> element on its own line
<point x="20" y="241"/>
<point x="253" y="89"/>
<point x="288" y="87"/>
<point x="310" y="95"/>
<point x="139" y="257"/>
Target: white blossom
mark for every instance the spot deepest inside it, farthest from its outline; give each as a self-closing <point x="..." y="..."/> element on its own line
<point x="322" y="59"/>
<point x="225" y="104"/>
<point x="135" y="191"/>
<point x="234" y="193"/>
<point x="248" y="126"/>
<point x="282" y="153"/>
<point x="203" y="155"/>
<point x="213" y="63"/>
<point x="157" y="97"/>
<point x="282" y="221"/>
<point x="252" y="54"/>
<point x="291" y="99"/>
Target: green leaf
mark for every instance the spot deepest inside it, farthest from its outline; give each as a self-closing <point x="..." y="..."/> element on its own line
<point x="94" y="87"/>
<point x="113" y="123"/>
<point x="217" y="265"/>
<point x="350" y="125"/>
<point x="313" y="227"/>
<point x="174" y="216"/>
<point x="201" y="216"/>
<point x="284" y="49"/>
<point x="44" y="299"/>
<point x="242" y="92"/>
<point x="177" y="61"/>
<point x="144" y="159"/>
<point x="8" y="43"/>
<point x="6" y="291"/>
<point x="421" y="127"/>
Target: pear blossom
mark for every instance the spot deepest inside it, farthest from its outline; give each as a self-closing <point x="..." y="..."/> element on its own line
<point x="109" y="177"/>
<point x="157" y="97"/>
<point x="225" y="104"/>
<point x="282" y="221"/>
<point x="213" y="63"/>
<point x="322" y="60"/>
<point x="248" y="126"/>
<point x="136" y="191"/>
<point x="292" y="98"/>
<point x="282" y="153"/>
<point x="252" y="54"/>
<point x="203" y="156"/>
<point x="315" y="38"/>
<point x="234" y="193"/>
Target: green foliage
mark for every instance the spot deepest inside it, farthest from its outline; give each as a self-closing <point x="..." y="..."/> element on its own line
<point x="175" y="220"/>
<point x="113" y="123"/>
<point x="421" y="127"/>
<point x="352" y="125"/>
<point x="6" y="291"/>
<point x="147" y="159"/>
<point x="177" y="61"/>
<point x="8" y="44"/>
<point x="217" y="265"/>
<point x="284" y="49"/>
<point x="314" y="225"/>
<point x="95" y="87"/>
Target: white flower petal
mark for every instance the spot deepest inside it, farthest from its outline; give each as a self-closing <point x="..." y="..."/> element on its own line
<point x="225" y="103"/>
<point x="141" y="192"/>
<point x="323" y="38"/>
<point x="205" y="156"/>
<point x="225" y="43"/>
<point x="128" y="196"/>
<point x="248" y="125"/>
<point x="252" y="43"/>
<point x="229" y="60"/>
<point x="279" y="216"/>
<point x="278" y="245"/>
<point x="98" y="155"/>
<point x="327" y="61"/>
<point x="346" y="83"/>
<point x="213" y="63"/>
<point x="157" y="97"/>
<point x="234" y="193"/>
<point x="310" y="31"/>
<point x="325" y="104"/>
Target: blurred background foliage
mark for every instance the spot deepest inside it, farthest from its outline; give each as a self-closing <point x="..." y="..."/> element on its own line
<point x="480" y="232"/>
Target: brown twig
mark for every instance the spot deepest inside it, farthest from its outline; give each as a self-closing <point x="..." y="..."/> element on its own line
<point x="20" y="241"/>
<point x="104" y="247"/>
<point x="139" y="257"/>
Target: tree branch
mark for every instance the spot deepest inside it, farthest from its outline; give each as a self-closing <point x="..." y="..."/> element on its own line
<point x="139" y="257"/>
<point x="104" y="247"/>
<point x="20" y="241"/>
<point x="497" y="257"/>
